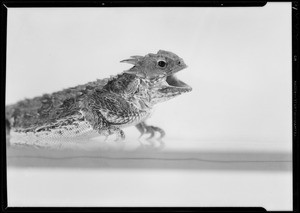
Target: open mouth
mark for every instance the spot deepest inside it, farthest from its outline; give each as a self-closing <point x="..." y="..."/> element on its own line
<point x="173" y="81"/>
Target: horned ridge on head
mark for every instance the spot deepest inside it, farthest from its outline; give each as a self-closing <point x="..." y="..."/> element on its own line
<point x="163" y="63"/>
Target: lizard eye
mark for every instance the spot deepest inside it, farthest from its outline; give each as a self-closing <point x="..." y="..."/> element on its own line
<point x="161" y="63"/>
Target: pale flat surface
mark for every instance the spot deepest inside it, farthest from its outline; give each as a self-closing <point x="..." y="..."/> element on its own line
<point x="110" y="174"/>
<point x="192" y="154"/>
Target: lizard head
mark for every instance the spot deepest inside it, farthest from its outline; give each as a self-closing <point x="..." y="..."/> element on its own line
<point x="158" y="70"/>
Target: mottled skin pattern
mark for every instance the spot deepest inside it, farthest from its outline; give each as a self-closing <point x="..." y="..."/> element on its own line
<point x="103" y="106"/>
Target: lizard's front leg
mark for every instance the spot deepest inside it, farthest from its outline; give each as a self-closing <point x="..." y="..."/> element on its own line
<point x="106" y="112"/>
<point x="100" y="124"/>
<point x="146" y="129"/>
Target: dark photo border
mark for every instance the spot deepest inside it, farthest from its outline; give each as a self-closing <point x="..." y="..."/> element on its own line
<point x="68" y="3"/>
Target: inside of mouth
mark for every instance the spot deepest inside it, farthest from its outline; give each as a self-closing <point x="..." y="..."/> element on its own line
<point x="172" y="80"/>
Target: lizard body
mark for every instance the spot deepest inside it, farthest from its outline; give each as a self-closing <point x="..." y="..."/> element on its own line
<point x="102" y="107"/>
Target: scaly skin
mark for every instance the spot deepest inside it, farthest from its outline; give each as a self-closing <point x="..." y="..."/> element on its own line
<point x="104" y="106"/>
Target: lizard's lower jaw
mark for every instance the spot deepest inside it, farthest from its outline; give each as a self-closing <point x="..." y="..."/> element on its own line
<point x="172" y="88"/>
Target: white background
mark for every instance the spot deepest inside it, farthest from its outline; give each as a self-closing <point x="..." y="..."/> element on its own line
<point x="239" y="65"/>
<point x="239" y="62"/>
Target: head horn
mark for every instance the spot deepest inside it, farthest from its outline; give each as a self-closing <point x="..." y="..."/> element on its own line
<point x="133" y="60"/>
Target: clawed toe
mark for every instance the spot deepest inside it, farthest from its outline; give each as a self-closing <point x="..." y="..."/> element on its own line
<point x="161" y="131"/>
<point x="120" y="136"/>
<point x="144" y="129"/>
<point x="150" y="130"/>
<point x="153" y="129"/>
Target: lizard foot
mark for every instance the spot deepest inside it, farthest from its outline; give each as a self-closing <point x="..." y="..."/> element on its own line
<point x="145" y="129"/>
<point x="120" y="135"/>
